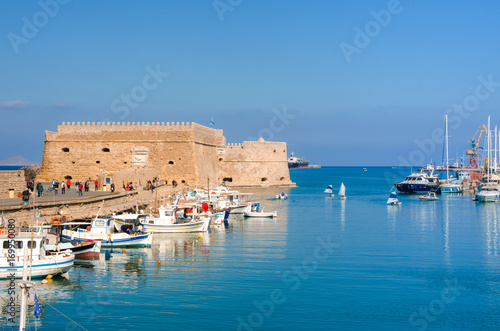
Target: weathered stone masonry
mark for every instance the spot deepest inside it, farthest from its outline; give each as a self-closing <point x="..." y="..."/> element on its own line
<point x="184" y="152"/>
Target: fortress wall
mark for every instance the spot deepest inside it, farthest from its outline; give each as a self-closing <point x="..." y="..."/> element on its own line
<point x="182" y="152"/>
<point x="11" y="180"/>
<point x="255" y="163"/>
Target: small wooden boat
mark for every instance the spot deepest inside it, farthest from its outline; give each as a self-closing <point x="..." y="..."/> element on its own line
<point x="342" y="192"/>
<point x="82" y="250"/>
<point x="431" y="196"/>
<point x="171" y="219"/>
<point x="249" y="213"/>
<point x="102" y="229"/>
<point x="39" y="261"/>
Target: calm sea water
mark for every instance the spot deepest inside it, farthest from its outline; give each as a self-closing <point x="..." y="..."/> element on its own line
<point x="323" y="264"/>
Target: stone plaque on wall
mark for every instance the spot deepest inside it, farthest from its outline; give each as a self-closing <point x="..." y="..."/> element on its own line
<point x="140" y="156"/>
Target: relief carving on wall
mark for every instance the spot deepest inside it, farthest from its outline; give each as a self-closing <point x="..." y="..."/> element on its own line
<point x="140" y="156"/>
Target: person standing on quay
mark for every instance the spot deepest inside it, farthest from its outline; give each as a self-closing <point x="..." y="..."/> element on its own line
<point x="96" y="183"/>
<point x="55" y="186"/>
<point x="69" y="184"/>
<point x="63" y="188"/>
<point x="39" y="188"/>
<point x="80" y="189"/>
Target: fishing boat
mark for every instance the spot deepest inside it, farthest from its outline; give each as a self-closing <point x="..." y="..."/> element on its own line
<point x="30" y="249"/>
<point x="179" y="219"/>
<point x="249" y="213"/>
<point x="449" y="186"/>
<point x="82" y="250"/>
<point x="393" y="199"/>
<point x="430" y="196"/>
<point x="342" y="192"/>
<point x="488" y="193"/>
<point x="282" y="196"/>
<point x="102" y="230"/>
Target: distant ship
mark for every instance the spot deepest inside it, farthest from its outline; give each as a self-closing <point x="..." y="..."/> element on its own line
<point x="295" y="162"/>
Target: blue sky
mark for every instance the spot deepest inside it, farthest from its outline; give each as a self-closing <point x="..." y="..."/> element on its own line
<point x="247" y="63"/>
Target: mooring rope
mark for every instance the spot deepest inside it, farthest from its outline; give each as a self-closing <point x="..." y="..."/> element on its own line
<point x="64" y="315"/>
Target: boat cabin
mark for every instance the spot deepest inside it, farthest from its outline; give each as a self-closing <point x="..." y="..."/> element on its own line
<point x="22" y="241"/>
<point x="101" y="226"/>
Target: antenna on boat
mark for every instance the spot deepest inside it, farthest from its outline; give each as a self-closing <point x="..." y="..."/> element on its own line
<point x="99" y="211"/>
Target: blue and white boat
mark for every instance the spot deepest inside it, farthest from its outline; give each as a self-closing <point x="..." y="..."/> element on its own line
<point x="419" y="182"/>
<point x="102" y="229"/>
<point x="393" y="199"/>
<point x="282" y="196"/>
<point x="172" y="219"/>
<point x="30" y="250"/>
<point x="488" y="193"/>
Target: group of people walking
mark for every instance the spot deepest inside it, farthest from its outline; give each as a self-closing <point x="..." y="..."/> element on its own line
<point x="56" y="186"/>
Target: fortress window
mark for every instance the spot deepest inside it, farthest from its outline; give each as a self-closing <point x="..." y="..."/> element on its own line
<point x="220" y="159"/>
<point x="228" y="179"/>
<point x="170" y="162"/>
<point x="283" y="151"/>
<point x="73" y="162"/>
<point x="68" y="177"/>
<point x="183" y="182"/>
<point x="125" y="162"/>
<point x="97" y="161"/>
<point x="274" y="151"/>
<point x="282" y="178"/>
<point x="105" y="150"/>
<point x="65" y="149"/>
<point x="264" y="179"/>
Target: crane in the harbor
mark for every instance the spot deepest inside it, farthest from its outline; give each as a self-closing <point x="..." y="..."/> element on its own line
<point x="475" y="146"/>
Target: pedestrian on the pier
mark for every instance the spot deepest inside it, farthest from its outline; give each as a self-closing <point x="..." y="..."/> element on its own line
<point x="26" y="196"/>
<point x="80" y="189"/>
<point x="112" y="188"/>
<point x="69" y="184"/>
<point x="56" y="187"/>
<point x="39" y="188"/>
<point x="96" y="185"/>
<point x="63" y="187"/>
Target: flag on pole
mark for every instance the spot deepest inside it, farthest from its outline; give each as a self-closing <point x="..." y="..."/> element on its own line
<point x="212" y="123"/>
<point x="38" y="308"/>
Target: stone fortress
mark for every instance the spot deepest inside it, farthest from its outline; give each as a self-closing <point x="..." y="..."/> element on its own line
<point x="188" y="153"/>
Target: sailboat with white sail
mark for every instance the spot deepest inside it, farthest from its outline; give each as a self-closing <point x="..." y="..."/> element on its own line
<point x="342" y="192"/>
<point x="450" y="186"/>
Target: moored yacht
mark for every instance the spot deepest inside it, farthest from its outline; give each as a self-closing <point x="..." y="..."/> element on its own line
<point x="488" y="193"/>
<point x="418" y="182"/>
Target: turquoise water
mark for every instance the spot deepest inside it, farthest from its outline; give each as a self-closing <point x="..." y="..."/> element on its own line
<point x="322" y="265"/>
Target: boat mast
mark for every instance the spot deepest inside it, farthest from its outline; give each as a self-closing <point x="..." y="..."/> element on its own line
<point x="446" y="144"/>
<point x="488" y="135"/>
<point x="496" y="147"/>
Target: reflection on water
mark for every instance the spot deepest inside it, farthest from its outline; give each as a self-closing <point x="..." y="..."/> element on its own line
<point x="489" y="215"/>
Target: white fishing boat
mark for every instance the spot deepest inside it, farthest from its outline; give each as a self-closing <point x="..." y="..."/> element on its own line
<point x="450" y="186"/>
<point x="249" y="213"/>
<point x="169" y="220"/>
<point x="488" y="193"/>
<point x="282" y="196"/>
<point x="430" y="196"/>
<point x="393" y="199"/>
<point x="102" y="229"/>
<point x="39" y="261"/>
<point x="341" y="194"/>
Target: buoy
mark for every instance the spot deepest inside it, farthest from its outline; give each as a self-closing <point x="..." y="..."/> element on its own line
<point x="123" y="250"/>
<point x="199" y="237"/>
<point x="158" y="262"/>
<point x="49" y="276"/>
<point x="44" y="281"/>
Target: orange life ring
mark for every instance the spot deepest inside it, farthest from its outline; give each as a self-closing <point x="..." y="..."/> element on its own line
<point x="248" y="201"/>
<point x="55" y="220"/>
<point x="227" y="204"/>
<point x="88" y="228"/>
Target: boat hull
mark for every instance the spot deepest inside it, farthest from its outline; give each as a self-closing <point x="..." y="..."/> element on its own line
<point x="113" y="240"/>
<point x="487" y="198"/>
<point x="201" y="226"/>
<point x="451" y="189"/>
<point x="415" y="188"/>
<point x="52" y="265"/>
<point x="260" y="214"/>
